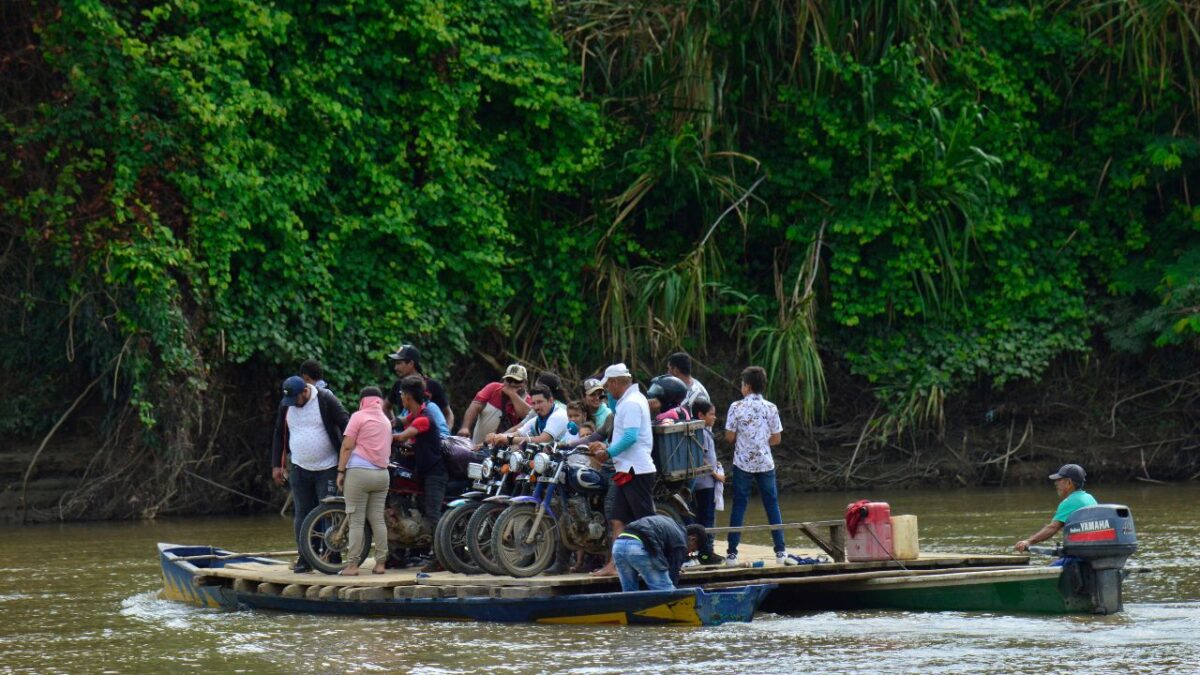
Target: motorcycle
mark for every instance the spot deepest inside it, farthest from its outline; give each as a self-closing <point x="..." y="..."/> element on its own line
<point x="489" y="478"/>
<point x="567" y="507"/>
<point x="325" y="532"/>
<point x="514" y="480"/>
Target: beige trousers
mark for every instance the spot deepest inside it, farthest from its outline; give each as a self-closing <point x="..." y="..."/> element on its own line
<point x="366" y="494"/>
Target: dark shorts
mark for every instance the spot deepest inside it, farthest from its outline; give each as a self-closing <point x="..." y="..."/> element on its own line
<point x="634" y="499"/>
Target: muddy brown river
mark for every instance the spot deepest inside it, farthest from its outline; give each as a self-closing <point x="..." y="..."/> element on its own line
<point x="82" y="598"/>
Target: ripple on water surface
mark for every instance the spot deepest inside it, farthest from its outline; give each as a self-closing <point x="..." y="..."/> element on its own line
<point x="94" y="608"/>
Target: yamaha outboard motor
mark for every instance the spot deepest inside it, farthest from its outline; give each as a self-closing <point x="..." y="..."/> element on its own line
<point x="1101" y="538"/>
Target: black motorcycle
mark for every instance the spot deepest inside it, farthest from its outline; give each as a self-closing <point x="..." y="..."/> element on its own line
<point x="515" y="479"/>
<point x="489" y="478"/>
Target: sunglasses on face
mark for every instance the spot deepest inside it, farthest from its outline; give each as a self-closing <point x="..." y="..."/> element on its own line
<point x="512" y="381"/>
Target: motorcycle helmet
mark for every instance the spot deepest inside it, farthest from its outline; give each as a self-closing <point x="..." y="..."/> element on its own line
<point x="670" y="391"/>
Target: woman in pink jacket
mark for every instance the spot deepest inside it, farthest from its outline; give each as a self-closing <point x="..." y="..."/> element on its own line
<point x="363" y="476"/>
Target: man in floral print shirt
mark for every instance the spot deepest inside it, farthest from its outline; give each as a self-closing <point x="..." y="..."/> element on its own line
<point x="753" y="426"/>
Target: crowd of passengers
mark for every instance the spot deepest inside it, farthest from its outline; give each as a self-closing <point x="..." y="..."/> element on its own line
<point x="319" y="449"/>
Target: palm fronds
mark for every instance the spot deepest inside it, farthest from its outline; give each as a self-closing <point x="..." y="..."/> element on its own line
<point x="1157" y="41"/>
<point x="787" y="347"/>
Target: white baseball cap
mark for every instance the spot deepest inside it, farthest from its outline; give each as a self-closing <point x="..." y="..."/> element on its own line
<point x="615" y="370"/>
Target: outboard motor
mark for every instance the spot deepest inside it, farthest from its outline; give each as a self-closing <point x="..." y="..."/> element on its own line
<point x="1102" y="538"/>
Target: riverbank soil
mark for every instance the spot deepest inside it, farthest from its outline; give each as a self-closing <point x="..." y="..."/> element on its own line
<point x="1121" y="428"/>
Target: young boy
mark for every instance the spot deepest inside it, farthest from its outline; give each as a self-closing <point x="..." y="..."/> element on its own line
<point x="577" y="418"/>
<point x="752" y="427"/>
<point x="704" y="489"/>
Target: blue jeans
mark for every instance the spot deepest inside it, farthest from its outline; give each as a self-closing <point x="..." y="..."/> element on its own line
<point x="742" y="481"/>
<point x="308" y="489"/>
<point x="632" y="561"/>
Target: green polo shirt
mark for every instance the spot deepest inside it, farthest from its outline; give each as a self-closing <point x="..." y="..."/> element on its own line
<point x="1073" y="502"/>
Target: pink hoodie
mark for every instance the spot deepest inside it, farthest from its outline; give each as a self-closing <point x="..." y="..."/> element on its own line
<point x="371" y="431"/>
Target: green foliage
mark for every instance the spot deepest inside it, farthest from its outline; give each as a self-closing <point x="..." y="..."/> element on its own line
<point x="278" y="184"/>
<point x="938" y="196"/>
<point x="984" y="180"/>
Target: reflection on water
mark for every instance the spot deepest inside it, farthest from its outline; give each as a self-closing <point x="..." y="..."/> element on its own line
<point x="82" y="598"/>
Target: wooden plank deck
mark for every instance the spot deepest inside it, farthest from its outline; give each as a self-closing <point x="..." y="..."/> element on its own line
<point x="248" y="575"/>
<point x="280" y="574"/>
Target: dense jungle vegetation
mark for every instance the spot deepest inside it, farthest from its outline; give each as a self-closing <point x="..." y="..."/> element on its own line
<point x="950" y="229"/>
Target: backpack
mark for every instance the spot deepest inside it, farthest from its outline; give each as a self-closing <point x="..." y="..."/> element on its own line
<point x="458" y="452"/>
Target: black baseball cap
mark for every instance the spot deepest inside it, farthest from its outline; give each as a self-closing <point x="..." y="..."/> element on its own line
<point x="406" y="353"/>
<point x="1072" y="471"/>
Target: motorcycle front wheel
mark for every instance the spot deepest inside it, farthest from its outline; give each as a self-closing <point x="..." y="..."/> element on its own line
<point x="510" y="541"/>
<point x="450" y="540"/>
<point x="479" y="537"/>
<point x="325" y="538"/>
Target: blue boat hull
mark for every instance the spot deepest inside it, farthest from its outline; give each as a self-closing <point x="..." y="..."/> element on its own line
<point x="688" y="606"/>
<point x="180" y="575"/>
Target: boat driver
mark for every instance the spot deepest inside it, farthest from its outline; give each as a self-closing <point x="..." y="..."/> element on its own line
<point x="1068" y="483"/>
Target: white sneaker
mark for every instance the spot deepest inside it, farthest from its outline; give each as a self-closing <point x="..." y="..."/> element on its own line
<point x="731" y="560"/>
<point x="785" y="559"/>
<point x="692" y="562"/>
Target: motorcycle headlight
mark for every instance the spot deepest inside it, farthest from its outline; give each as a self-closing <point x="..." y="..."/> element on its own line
<point x="515" y="459"/>
<point x="541" y="463"/>
<point x="485" y="469"/>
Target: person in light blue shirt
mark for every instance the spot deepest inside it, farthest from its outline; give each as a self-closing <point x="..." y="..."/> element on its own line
<point x="1068" y="483"/>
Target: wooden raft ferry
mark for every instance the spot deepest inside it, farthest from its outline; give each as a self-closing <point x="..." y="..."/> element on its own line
<point x="1098" y="541"/>
<point x="709" y="595"/>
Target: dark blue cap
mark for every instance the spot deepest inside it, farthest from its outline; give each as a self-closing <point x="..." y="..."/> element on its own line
<point x="291" y="389"/>
<point x="1072" y="471"/>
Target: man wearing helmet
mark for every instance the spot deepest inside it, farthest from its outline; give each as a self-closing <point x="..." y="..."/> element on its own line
<point x="669" y="393"/>
<point x="1068" y="483"/>
<point x="679" y="366"/>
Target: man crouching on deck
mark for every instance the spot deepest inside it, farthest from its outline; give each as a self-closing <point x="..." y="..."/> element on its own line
<point x="654" y="548"/>
<point x="1068" y="483"/>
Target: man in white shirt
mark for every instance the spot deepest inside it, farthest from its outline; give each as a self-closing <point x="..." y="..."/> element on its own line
<point x="629" y="449"/>
<point x="309" y="428"/>
<point x="548" y="423"/>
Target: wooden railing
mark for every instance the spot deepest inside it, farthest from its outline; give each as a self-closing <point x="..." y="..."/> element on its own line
<point x="829" y="535"/>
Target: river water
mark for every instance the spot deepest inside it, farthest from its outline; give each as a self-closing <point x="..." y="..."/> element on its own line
<point x="81" y="598"/>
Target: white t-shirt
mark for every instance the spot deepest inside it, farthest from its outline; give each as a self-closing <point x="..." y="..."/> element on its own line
<point x="307" y="438"/>
<point x="695" y="391"/>
<point x="556" y="424"/>
<point x="634" y="412"/>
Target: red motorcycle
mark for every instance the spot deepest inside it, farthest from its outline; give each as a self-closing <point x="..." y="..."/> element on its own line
<point x="325" y="532"/>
